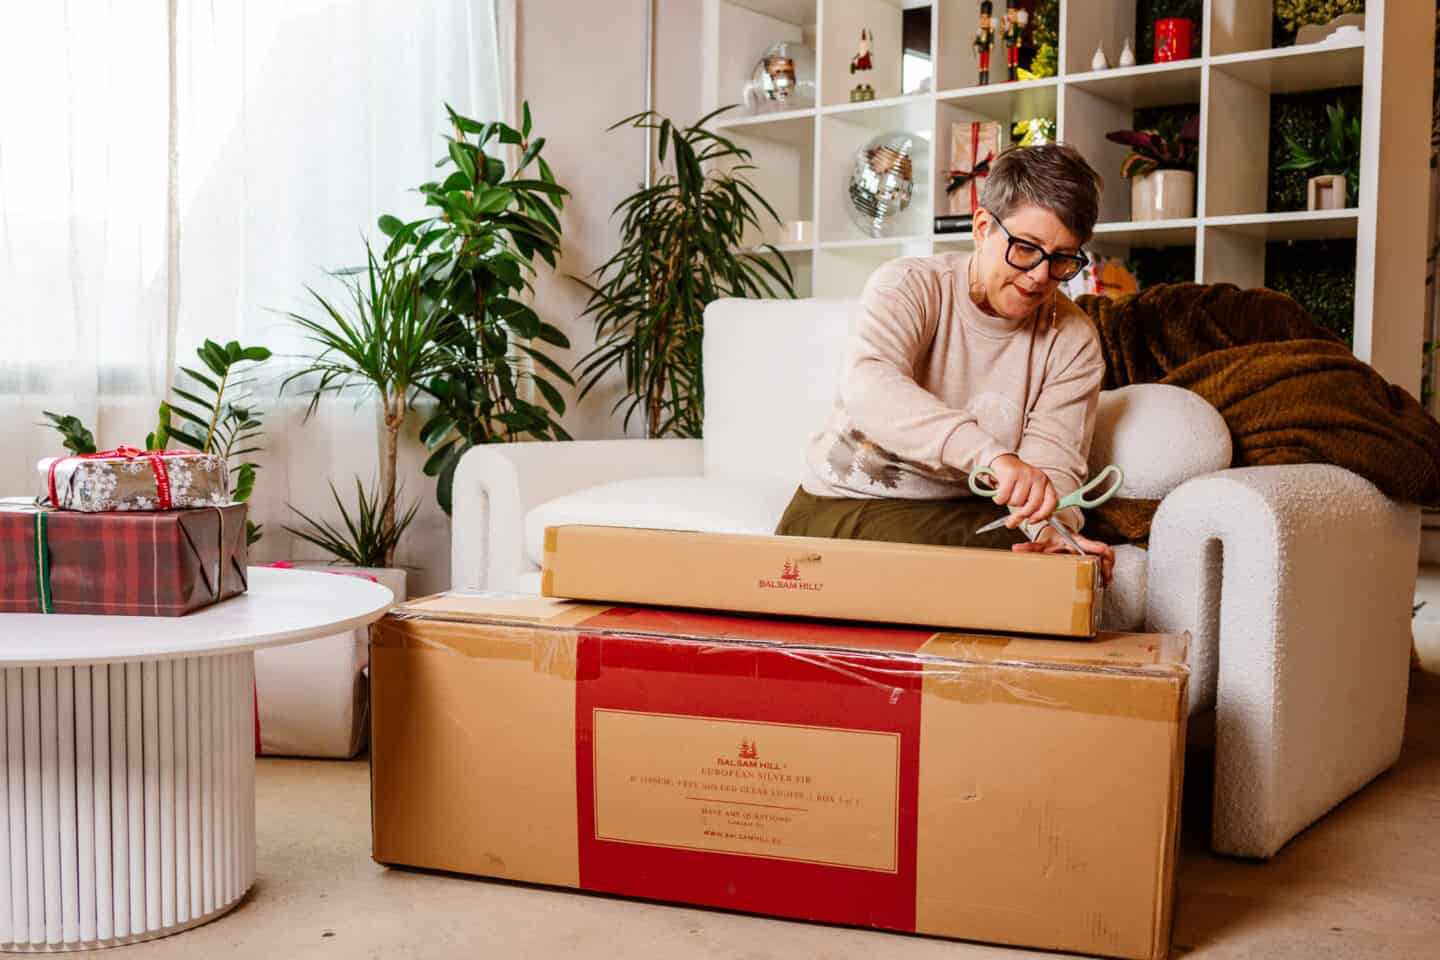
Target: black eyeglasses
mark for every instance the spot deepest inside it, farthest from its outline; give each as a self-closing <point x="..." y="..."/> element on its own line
<point x="1024" y="255"/>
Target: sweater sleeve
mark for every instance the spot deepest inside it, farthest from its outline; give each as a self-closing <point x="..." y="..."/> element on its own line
<point x="1061" y="423"/>
<point x="897" y="323"/>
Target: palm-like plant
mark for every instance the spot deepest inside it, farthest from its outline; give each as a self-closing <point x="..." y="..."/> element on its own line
<point x="389" y="339"/>
<point x="680" y="249"/>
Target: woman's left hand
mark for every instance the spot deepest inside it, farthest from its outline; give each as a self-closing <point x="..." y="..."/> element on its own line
<point x="1049" y="542"/>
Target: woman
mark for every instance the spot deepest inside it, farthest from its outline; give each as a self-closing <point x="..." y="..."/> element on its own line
<point x="966" y="361"/>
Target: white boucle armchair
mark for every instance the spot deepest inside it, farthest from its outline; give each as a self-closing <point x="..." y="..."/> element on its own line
<point x="1294" y="582"/>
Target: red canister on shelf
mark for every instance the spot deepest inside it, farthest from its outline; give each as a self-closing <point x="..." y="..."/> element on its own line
<point x="1172" y="38"/>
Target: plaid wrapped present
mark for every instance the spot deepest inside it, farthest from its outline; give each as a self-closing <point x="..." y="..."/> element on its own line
<point x="129" y="479"/>
<point x="159" y="564"/>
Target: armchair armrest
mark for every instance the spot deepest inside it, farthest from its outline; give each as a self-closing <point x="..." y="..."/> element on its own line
<point x="497" y="484"/>
<point x="1295" y="583"/>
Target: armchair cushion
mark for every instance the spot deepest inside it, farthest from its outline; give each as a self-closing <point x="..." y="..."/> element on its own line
<point x="727" y="503"/>
<point x="1160" y="436"/>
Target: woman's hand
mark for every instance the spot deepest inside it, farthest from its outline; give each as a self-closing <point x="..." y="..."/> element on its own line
<point x="1025" y="489"/>
<point x="1049" y="542"/>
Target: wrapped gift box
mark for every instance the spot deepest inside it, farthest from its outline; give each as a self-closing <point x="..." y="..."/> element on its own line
<point x="129" y="479"/>
<point x="967" y="588"/>
<point x="159" y="564"/>
<point x="974" y="145"/>
<point x="977" y="786"/>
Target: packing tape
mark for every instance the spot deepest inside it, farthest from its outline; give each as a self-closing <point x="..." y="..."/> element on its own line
<point x="1082" y="612"/>
<point x="547" y="580"/>
<point x="1131" y="694"/>
<point x="551" y="652"/>
<point x="552" y="539"/>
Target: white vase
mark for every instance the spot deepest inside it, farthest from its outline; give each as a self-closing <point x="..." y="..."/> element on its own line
<point x="1163" y="195"/>
<point x="1325" y="192"/>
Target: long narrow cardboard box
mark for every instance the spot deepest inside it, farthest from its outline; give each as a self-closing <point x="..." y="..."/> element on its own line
<point x="983" y="787"/>
<point x="968" y="589"/>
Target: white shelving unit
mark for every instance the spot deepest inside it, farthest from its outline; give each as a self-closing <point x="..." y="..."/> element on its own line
<point x="803" y="156"/>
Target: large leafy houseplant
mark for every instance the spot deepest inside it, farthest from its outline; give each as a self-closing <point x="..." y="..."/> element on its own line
<point x="387" y="340"/>
<point x="212" y="411"/>
<point x="1337" y="151"/>
<point x="1159" y="149"/>
<point x="680" y="248"/>
<point x="474" y="258"/>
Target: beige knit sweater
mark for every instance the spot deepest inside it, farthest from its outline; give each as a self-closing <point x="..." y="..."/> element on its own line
<point x="935" y="387"/>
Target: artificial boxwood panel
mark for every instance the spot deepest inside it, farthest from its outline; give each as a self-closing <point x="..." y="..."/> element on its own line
<point x="1320" y="274"/>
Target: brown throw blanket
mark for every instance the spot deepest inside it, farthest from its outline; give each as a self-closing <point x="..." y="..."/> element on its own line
<point x="1290" y="391"/>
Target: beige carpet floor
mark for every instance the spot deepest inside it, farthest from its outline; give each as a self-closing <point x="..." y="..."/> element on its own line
<point x="1363" y="883"/>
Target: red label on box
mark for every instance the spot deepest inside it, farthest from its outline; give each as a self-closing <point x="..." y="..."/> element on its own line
<point x="771" y="780"/>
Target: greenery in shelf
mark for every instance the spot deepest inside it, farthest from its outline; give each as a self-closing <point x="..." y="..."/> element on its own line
<point x="1337" y="152"/>
<point x="1302" y="119"/>
<point x="1159" y="148"/>
<point x="1320" y="275"/>
<point x="1291" y="15"/>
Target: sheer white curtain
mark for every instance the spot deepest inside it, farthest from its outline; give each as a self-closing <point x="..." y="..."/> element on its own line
<point x="144" y="210"/>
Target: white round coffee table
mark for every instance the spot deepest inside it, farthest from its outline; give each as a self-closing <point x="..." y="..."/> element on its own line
<point x="127" y="759"/>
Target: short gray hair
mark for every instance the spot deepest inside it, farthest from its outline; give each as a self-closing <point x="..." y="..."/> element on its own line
<point x="1053" y="176"/>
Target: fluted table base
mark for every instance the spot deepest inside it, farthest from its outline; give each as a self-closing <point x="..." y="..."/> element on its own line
<point x="127" y="799"/>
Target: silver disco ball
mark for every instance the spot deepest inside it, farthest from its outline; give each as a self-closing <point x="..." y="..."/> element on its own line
<point x="783" y="79"/>
<point x="882" y="181"/>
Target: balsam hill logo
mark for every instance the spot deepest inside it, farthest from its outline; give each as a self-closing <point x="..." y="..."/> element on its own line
<point x="790" y="578"/>
<point x="749" y="756"/>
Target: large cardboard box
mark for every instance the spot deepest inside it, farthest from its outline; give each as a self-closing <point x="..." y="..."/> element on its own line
<point x="970" y="589"/>
<point x="977" y="786"/>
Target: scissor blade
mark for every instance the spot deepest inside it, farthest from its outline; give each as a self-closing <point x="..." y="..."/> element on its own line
<point x="1065" y="535"/>
<point x="993" y="525"/>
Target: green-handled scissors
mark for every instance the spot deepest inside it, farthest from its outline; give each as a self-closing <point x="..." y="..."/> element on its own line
<point x="980" y="488"/>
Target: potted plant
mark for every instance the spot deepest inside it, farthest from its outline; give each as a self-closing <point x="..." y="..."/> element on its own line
<point x="1335" y="162"/>
<point x="494" y="380"/>
<point x="681" y="247"/>
<point x="387" y="341"/>
<point x="1161" y="170"/>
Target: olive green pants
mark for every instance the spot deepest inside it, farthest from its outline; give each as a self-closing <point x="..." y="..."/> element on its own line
<point x="950" y="523"/>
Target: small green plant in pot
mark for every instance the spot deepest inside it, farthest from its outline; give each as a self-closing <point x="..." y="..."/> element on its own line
<point x="364" y="539"/>
<point x="1332" y="161"/>
<point x="1161" y="170"/>
<point x="386" y="341"/>
<point x="680" y="249"/>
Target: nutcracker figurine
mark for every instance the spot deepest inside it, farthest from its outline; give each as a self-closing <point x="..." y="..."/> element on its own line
<point x="860" y="63"/>
<point x="1014" y="34"/>
<point x="985" y="40"/>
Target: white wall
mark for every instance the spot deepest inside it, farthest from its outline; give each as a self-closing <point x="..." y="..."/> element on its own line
<point x="581" y="66"/>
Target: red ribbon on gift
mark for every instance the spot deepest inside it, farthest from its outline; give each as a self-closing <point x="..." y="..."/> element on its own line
<point x="979" y="168"/>
<point x="157" y="464"/>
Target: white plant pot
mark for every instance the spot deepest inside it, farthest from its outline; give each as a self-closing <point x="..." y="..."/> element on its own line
<point x="312" y="699"/>
<point x="1326" y="192"/>
<point x="1163" y="195"/>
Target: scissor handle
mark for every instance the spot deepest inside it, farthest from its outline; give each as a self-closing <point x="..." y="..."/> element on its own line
<point x="1078" y="498"/>
<point x="982" y="489"/>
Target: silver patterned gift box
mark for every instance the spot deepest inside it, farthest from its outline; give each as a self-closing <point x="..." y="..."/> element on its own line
<point x="131" y="479"/>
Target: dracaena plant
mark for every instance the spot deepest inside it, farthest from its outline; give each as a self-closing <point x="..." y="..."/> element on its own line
<point x="1159" y="149"/>
<point x="475" y="258"/>
<point x="388" y="339"/>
